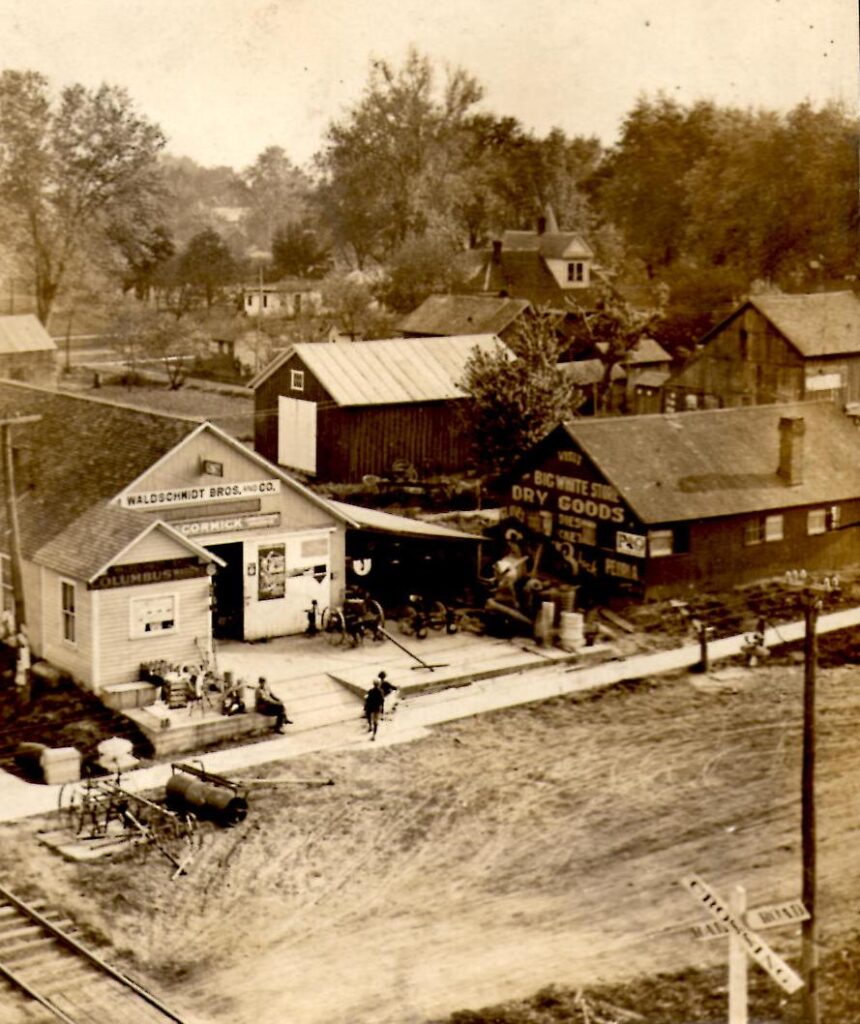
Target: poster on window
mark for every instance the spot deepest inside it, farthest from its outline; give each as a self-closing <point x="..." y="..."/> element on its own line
<point x="272" y="576"/>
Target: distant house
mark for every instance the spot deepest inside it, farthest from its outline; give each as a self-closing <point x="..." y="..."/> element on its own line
<point x="775" y="348"/>
<point x="636" y="381"/>
<point x="290" y="297"/>
<point x="339" y="412"/>
<point x="458" y="315"/>
<point x="27" y="351"/>
<point x="545" y="267"/>
<point x="659" y="505"/>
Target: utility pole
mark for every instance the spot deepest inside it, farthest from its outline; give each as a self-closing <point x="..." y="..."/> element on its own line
<point x="12" y="512"/>
<point x="809" y="953"/>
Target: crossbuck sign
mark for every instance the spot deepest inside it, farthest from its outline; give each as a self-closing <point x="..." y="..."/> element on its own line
<point x="752" y="943"/>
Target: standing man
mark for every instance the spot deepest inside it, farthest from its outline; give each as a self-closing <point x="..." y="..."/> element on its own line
<point x="374" y="703"/>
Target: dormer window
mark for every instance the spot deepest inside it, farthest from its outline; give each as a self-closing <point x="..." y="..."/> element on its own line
<point x="576" y="272"/>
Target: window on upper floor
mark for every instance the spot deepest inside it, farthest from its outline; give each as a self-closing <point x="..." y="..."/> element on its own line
<point x="297" y="380"/>
<point x="576" y="272"/>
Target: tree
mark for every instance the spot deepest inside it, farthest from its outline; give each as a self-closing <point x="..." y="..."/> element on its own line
<point x="142" y="334"/>
<point x="70" y="171"/>
<point x="350" y="300"/>
<point x="516" y="401"/>
<point x="383" y="163"/>
<point x="297" y="251"/>
<point x="206" y="265"/>
<point x="423" y="265"/>
<point x="612" y="329"/>
<point x="277" y="193"/>
<point x="143" y="255"/>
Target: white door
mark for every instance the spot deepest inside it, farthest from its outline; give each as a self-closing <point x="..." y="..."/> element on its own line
<point x="297" y="434"/>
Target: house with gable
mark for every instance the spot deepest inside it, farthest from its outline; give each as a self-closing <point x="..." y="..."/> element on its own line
<point x="775" y="348"/>
<point x="461" y="315"/>
<point x="144" y="535"/>
<point x="660" y="505"/>
<point x="27" y="351"/>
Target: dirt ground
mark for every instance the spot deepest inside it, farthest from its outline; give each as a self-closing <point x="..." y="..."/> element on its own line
<point x="500" y="854"/>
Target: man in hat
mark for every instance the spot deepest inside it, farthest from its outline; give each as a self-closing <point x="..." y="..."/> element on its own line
<point x="268" y="704"/>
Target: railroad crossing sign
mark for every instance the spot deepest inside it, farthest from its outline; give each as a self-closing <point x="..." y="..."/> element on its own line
<point x="742" y="940"/>
<point x="772" y="915"/>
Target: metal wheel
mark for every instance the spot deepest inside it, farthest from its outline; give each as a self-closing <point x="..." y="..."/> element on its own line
<point x="325" y="618"/>
<point x="335" y="629"/>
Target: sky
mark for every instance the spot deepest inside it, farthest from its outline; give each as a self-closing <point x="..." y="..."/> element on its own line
<point x="226" y="78"/>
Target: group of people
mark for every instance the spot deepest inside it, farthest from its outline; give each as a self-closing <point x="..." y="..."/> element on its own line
<point x="265" y="702"/>
<point x="374" y="702"/>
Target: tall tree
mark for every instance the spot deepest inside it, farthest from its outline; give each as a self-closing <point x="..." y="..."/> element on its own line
<point x="298" y="251"/>
<point x="381" y="165"/>
<point x="277" y="195"/>
<point x="206" y="265"/>
<point x="70" y="170"/>
<point x="516" y="401"/>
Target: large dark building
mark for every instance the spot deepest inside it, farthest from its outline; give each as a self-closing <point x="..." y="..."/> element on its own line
<point x="339" y="412"/>
<point x="662" y="505"/>
<point x="775" y="348"/>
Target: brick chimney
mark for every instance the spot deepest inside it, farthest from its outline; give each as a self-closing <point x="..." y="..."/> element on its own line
<point x="541" y="224"/>
<point x="791" y="432"/>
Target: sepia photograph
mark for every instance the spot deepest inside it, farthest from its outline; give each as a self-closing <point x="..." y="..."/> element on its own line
<point x="429" y="512"/>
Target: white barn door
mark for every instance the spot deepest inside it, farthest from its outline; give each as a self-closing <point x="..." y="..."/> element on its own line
<point x="297" y="434"/>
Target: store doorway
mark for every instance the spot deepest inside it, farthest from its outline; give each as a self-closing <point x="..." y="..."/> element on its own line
<point x="228" y="593"/>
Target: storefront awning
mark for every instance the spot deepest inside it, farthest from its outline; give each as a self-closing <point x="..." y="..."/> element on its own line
<point x="385" y="522"/>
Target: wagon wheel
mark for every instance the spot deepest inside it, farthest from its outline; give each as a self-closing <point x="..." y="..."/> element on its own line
<point x="325" y="618"/>
<point x="335" y="629"/>
<point x="376" y="619"/>
<point x="70" y="804"/>
<point x="406" y="623"/>
<point x="438" y="615"/>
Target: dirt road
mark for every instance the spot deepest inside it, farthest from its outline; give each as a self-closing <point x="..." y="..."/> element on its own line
<point x="540" y="844"/>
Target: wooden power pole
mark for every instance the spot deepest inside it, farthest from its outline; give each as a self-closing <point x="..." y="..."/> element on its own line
<point x="807" y="814"/>
<point x="12" y="512"/>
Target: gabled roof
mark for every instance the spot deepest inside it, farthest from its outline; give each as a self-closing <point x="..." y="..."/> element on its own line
<point x="391" y="371"/>
<point x="552" y="245"/>
<point x="24" y="333"/>
<point x="97" y="538"/>
<point x="583" y="372"/>
<point x="645" y="351"/>
<point x="721" y="462"/>
<point x="820" y="324"/>
<point x="82" y="451"/>
<point x="85" y="451"/>
<point x="454" y="315"/>
<point x="522" y="274"/>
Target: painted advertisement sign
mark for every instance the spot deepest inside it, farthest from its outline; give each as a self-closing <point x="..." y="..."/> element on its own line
<point x="199" y="493"/>
<point x="272" y="572"/>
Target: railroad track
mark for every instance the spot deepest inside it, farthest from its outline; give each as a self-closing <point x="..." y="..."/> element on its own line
<point x="42" y="956"/>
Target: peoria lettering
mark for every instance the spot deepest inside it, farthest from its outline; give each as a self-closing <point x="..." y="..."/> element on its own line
<point x="209" y="492"/>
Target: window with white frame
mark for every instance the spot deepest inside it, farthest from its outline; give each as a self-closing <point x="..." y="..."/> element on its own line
<point x="297" y="380"/>
<point x="68" y="608"/>
<point x="660" y="543"/>
<point x="834" y="517"/>
<point x="753" y="532"/>
<point x="154" y="615"/>
<point x="576" y="272"/>
<point x="816" y="521"/>
<point x="774" y="528"/>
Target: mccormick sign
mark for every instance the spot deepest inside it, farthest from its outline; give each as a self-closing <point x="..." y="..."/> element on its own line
<point x="228" y="524"/>
<point x="199" y="494"/>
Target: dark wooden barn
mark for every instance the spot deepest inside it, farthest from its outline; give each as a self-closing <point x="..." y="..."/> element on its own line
<point x="339" y="412"/>
<point x="775" y="348"/>
<point x="659" y="505"/>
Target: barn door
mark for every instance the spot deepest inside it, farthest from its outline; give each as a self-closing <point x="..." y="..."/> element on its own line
<point x="297" y="434"/>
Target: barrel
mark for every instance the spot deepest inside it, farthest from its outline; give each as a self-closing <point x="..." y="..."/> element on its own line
<point x="570" y="631"/>
<point x="568" y="598"/>
<point x="217" y="803"/>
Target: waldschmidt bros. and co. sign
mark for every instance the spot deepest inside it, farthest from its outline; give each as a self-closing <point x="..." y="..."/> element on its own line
<point x="199" y="494"/>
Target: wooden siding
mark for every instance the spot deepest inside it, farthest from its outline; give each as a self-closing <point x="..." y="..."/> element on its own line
<point x="355" y="441"/>
<point x="266" y="403"/>
<point x="733" y="370"/>
<point x="567" y="491"/>
<point x="154" y="547"/>
<point x="74" y="658"/>
<point x="121" y="655"/>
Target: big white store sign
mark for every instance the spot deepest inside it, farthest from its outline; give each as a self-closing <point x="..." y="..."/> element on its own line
<point x="199" y="494"/>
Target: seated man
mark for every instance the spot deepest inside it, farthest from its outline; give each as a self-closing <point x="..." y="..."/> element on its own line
<point x="233" y="698"/>
<point x="268" y="704"/>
